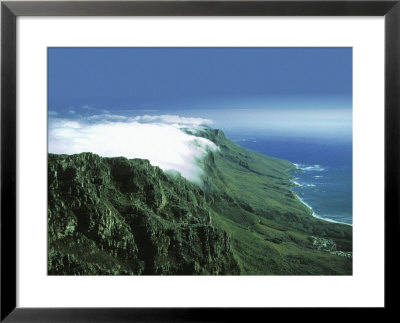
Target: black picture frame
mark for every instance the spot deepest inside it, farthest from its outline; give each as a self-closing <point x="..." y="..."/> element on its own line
<point x="10" y="10"/>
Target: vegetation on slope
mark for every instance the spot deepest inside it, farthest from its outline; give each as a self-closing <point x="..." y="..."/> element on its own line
<point x="272" y="231"/>
<point x="115" y="216"/>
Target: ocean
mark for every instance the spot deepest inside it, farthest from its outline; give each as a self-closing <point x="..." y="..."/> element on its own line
<point x="324" y="179"/>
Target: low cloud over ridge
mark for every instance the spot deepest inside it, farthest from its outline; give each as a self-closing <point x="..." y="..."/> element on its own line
<point x="159" y="139"/>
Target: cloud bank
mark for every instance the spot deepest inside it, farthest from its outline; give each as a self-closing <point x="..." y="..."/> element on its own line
<point x="159" y="139"/>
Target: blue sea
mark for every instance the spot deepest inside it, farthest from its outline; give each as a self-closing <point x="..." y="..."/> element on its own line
<point x="324" y="179"/>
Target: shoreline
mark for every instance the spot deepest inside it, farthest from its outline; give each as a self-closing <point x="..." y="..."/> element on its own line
<point x="292" y="180"/>
<point x="318" y="216"/>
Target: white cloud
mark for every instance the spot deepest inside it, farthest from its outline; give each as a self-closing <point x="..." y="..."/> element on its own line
<point x="156" y="138"/>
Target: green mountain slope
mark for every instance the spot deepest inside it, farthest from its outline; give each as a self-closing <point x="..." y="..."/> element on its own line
<point x="272" y="231"/>
<point x="114" y="216"/>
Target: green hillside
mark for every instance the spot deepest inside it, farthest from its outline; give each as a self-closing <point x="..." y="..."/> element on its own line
<point x="114" y="216"/>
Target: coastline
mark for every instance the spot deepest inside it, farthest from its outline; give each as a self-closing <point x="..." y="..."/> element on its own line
<point x="318" y="216"/>
<point x="315" y="215"/>
<point x="318" y="170"/>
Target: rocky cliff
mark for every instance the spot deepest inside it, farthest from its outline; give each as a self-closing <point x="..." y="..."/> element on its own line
<point x="114" y="216"/>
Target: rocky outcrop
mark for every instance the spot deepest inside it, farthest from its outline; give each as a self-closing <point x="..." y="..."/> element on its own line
<point x="114" y="216"/>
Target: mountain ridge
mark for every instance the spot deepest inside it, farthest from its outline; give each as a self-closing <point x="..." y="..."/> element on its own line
<point x="115" y="216"/>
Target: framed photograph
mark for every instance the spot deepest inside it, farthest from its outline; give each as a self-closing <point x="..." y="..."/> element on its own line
<point x="179" y="160"/>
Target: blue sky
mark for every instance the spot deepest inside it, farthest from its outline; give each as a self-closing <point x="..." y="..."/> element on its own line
<point x="237" y="87"/>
